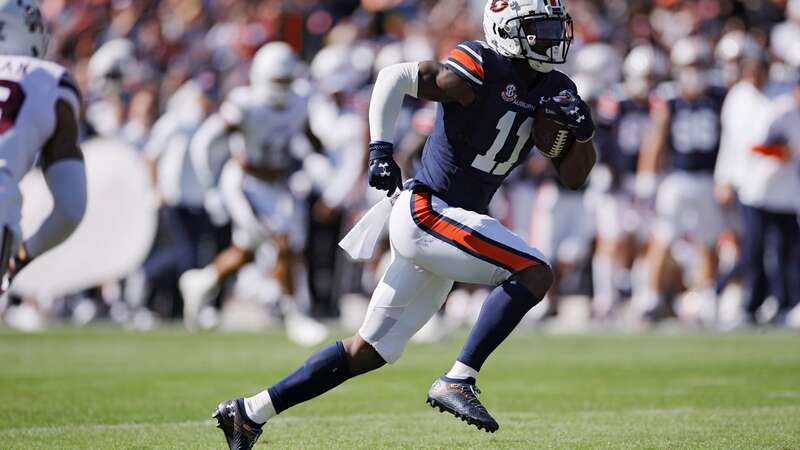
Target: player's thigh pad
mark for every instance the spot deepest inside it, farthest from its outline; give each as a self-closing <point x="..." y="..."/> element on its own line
<point x="607" y="209"/>
<point x="405" y="299"/>
<point x="259" y="209"/>
<point x="685" y="206"/>
<point x="455" y="243"/>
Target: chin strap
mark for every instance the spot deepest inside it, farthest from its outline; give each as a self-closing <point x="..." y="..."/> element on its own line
<point x="540" y="66"/>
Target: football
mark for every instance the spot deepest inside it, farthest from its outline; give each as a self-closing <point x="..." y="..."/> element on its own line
<point x="551" y="138"/>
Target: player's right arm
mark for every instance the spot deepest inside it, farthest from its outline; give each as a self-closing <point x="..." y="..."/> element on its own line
<point x="653" y="148"/>
<point x="216" y="129"/>
<point x="427" y="80"/>
<point x="66" y="179"/>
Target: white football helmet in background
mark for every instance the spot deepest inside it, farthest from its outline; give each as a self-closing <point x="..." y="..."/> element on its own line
<point x="273" y="70"/>
<point x="340" y="68"/>
<point x="731" y="48"/>
<point x="111" y="64"/>
<point x="644" y="66"/>
<point x="691" y="51"/>
<point x="537" y="30"/>
<point x="601" y="62"/>
<point x="22" y="31"/>
<point x="691" y="59"/>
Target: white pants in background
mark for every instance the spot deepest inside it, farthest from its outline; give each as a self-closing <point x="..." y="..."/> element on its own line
<point x="686" y="207"/>
<point x="561" y="226"/>
<point x="433" y="245"/>
<point x="260" y="210"/>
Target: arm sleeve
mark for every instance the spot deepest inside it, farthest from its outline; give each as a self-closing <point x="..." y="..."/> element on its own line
<point x="159" y="136"/>
<point x="466" y="61"/>
<point x="66" y="180"/>
<point x="211" y="133"/>
<point x="349" y="168"/>
<point x="391" y="87"/>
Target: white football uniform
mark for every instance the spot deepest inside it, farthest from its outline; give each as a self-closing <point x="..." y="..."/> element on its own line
<point x="29" y="91"/>
<point x="343" y="136"/>
<point x="561" y="225"/>
<point x="433" y="245"/>
<point x="169" y="146"/>
<point x="260" y="209"/>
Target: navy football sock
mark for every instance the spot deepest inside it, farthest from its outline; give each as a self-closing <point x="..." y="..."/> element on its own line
<point x="502" y="311"/>
<point x="322" y="372"/>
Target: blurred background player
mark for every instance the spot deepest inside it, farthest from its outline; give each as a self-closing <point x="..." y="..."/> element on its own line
<point x="621" y="220"/>
<point x="40" y="106"/>
<point x="189" y="236"/>
<point x="685" y="138"/>
<point x="336" y="170"/>
<point x="260" y="125"/>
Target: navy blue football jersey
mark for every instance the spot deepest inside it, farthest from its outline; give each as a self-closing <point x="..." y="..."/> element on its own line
<point x="472" y="149"/>
<point x="695" y="131"/>
<point x="628" y="121"/>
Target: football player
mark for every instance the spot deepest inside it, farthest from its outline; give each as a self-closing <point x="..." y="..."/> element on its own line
<point x="259" y="123"/>
<point x="625" y="112"/>
<point x="488" y="94"/>
<point x="688" y="126"/>
<point x="39" y="109"/>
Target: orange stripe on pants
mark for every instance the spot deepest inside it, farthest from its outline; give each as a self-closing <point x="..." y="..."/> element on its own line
<point x="467" y="239"/>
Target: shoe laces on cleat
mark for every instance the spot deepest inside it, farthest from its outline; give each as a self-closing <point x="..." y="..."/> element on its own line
<point x="471" y="393"/>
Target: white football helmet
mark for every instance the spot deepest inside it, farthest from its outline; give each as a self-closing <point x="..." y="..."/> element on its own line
<point x="22" y="30"/>
<point x="537" y="30"/>
<point x="644" y="66"/>
<point x="737" y="44"/>
<point x="111" y="66"/>
<point x="691" y="51"/>
<point x="691" y="58"/>
<point x="273" y="70"/>
<point x="601" y="62"/>
<point x="340" y="68"/>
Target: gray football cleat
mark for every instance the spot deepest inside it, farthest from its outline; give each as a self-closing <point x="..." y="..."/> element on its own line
<point x="460" y="398"/>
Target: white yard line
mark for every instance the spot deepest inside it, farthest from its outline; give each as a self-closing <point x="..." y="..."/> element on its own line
<point x="516" y="415"/>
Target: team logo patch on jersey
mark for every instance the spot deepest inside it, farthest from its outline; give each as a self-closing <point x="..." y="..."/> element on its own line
<point x="509" y="94"/>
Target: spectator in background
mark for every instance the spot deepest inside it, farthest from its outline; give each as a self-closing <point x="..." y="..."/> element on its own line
<point x="765" y="179"/>
<point x="686" y="130"/>
<point x="778" y="267"/>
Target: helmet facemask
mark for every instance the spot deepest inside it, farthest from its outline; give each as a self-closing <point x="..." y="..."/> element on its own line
<point x="542" y="38"/>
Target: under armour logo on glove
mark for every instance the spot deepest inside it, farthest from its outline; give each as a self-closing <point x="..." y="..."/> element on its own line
<point x="385" y="167"/>
<point x="571" y="111"/>
<point x="384" y="173"/>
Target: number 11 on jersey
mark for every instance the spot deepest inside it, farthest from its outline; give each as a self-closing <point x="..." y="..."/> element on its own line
<point x="487" y="162"/>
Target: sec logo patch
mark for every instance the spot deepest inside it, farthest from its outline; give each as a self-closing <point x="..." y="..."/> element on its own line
<point x="509" y="94"/>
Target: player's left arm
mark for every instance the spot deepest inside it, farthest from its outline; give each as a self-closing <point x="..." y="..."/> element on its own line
<point x="576" y="165"/>
<point x="65" y="174"/>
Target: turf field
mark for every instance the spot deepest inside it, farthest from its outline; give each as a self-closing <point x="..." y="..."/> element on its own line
<point x="105" y="388"/>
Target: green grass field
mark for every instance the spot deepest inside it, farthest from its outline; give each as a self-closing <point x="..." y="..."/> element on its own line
<point x="105" y="388"/>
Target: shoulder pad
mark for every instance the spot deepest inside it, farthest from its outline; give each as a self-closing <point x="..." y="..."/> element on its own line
<point x="466" y="61"/>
